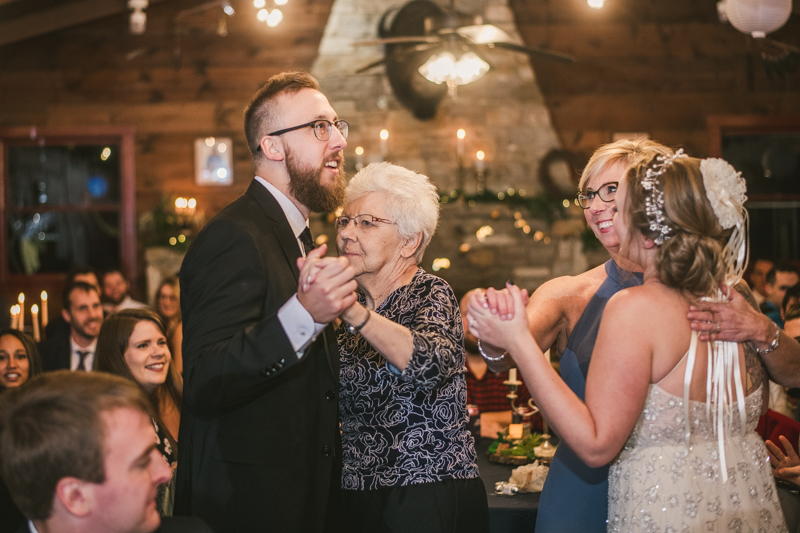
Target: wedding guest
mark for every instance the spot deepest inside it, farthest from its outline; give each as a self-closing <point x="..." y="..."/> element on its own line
<point x="57" y="326"/>
<point x="566" y="312"/>
<point x="84" y="314"/>
<point x="77" y="451"/>
<point x="409" y="462"/>
<point x="133" y="345"/>
<point x="19" y="361"/>
<point x="115" y="293"/>
<point x="758" y="278"/>
<point x="168" y="306"/>
<point x="683" y="221"/>
<point x="19" y="358"/>
<point x="780" y="278"/>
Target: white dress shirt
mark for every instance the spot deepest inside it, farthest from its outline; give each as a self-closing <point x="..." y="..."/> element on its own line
<point x="296" y="321"/>
<point x="75" y="359"/>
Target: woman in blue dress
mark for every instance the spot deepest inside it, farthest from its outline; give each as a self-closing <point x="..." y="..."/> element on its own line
<point x="575" y="496"/>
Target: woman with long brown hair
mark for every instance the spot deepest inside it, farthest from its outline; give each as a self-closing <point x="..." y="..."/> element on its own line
<point x="133" y="344"/>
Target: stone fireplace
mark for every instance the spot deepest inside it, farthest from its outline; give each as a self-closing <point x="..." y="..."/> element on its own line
<point x="502" y="114"/>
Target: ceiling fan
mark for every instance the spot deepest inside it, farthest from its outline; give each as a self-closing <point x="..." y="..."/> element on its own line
<point x="429" y="51"/>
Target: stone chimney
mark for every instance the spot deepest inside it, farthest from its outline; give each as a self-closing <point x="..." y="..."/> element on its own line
<point x="503" y="114"/>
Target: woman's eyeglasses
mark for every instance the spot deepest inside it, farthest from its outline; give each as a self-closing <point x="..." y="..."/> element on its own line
<point x="606" y="192"/>
<point x="363" y="222"/>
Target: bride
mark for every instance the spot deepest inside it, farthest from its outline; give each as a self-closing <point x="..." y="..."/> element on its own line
<point x="675" y="415"/>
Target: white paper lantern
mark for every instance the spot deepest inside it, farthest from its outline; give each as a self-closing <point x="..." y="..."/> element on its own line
<point x="758" y="17"/>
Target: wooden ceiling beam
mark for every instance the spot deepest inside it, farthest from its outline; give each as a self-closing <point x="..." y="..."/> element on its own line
<point x="58" y="18"/>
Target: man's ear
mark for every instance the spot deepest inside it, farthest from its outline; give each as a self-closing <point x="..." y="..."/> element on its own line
<point x="272" y="148"/>
<point x="65" y="315"/>
<point x="75" y="496"/>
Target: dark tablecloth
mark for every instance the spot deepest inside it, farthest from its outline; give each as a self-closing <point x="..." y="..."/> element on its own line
<point x="507" y="514"/>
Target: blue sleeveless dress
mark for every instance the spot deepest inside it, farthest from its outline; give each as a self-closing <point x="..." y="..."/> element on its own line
<point x="575" y="497"/>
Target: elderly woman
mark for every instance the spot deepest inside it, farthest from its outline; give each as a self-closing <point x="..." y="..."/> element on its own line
<point x="409" y="461"/>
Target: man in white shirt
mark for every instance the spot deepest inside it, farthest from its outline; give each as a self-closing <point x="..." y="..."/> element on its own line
<point x="115" y="293"/>
<point x="259" y="434"/>
<point x="84" y="314"/>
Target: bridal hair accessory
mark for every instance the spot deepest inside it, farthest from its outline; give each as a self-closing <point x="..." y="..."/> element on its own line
<point x="725" y="190"/>
<point x="654" y="204"/>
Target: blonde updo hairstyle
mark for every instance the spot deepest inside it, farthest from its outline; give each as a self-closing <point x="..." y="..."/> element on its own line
<point x="691" y="259"/>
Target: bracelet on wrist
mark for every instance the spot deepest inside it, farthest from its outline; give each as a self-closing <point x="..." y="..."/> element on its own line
<point x="489" y="357"/>
<point x="353" y="328"/>
<point x="774" y="344"/>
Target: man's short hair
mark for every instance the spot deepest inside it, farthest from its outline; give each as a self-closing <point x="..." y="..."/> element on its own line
<point x="791" y="292"/>
<point x="79" y="271"/>
<point x="785" y="267"/>
<point x="792" y="313"/>
<point x="52" y="428"/>
<point x="113" y="271"/>
<point x="259" y="115"/>
<point x="76" y="285"/>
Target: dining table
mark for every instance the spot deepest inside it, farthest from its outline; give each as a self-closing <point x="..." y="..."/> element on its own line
<point x="507" y="514"/>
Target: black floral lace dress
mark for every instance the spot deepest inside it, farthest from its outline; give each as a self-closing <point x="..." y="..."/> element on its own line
<point x="409" y="427"/>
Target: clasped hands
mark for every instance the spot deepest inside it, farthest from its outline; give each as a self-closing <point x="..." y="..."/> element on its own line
<point x="326" y="285"/>
<point x="498" y="317"/>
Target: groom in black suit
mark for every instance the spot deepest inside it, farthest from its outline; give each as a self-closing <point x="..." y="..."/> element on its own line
<point x="259" y="435"/>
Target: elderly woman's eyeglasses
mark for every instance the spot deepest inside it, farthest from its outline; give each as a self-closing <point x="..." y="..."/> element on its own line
<point x="322" y="128"/>
<point x="362" y="221"/>
<point x="606" y="192"/>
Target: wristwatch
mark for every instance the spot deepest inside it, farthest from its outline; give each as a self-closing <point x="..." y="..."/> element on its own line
<point x="352" y="328"/>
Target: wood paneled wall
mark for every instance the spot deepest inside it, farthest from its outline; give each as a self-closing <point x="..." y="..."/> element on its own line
<point x="651" y="66"/>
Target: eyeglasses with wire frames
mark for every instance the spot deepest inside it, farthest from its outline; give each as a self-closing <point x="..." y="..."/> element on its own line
<point x="606" y="192"/>
<point x="322" y="129"/>
<point x="363" y="222"/>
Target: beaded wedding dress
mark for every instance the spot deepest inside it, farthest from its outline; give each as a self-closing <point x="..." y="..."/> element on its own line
<point x="658" y="484"/>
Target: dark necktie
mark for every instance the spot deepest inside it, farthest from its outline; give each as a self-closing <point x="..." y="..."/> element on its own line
<point x="82" y="362"/>
<point x="307" y="240"/>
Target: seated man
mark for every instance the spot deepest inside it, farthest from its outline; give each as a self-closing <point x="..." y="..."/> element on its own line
<point x="78" y="453"/>
<point x="115" y="293"/>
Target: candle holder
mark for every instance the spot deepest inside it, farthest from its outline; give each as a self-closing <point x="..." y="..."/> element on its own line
<point x="545" y="451"/>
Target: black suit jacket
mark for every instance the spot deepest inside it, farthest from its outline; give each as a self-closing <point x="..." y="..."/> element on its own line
<point x="168" y="525"/>
<point x="56" y="351"/>
<point x="259" y="438"/>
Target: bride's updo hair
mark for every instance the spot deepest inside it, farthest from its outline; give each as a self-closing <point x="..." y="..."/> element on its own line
<point x="690" y="259"/>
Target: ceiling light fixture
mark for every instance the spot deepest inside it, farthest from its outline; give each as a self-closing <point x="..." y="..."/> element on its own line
<point x="138" y="19"/>
<point x="445" y="68"/>
<point x="756" y="17"/>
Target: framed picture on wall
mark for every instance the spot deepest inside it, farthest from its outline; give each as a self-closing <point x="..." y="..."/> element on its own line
<point x="212" y="161"/>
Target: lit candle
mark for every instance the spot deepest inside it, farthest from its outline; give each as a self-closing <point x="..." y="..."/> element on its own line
<point x="460" y="134"/>
<point x="512" y="374"/>
<point x="359" y="157"/>
<point x="480" y="164"/>
<point x="14" y="316"/>
<point x="515" y="431"/>
<point x="45" y="319"/>
<point x="384" y="144"/>
<point x="35" y="322"/>
<point x="21" y="300"/>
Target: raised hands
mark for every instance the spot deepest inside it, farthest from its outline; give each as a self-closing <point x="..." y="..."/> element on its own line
<point x="787" y="466"/>
<point x="497" y="317"/>
<point x="326" y="285"/>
